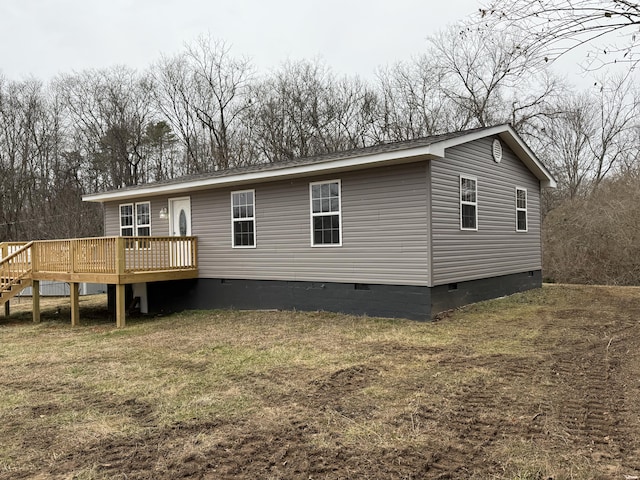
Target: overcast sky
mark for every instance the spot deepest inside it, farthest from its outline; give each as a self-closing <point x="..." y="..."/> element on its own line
<point x="46" y="37"/>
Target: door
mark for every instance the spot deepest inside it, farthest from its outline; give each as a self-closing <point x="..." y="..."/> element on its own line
<point x="180" y="217"/>
<point x="180" y="226"/>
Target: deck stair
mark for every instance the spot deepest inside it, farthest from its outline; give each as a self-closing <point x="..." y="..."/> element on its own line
<point x="7" y="293"/>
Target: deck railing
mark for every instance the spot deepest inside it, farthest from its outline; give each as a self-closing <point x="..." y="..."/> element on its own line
<point x="115" y="255"/>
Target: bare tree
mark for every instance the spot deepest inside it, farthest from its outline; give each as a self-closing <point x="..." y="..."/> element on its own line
<point x="172" y="92"/>
<point x="465" y="79"/>
<point x="594" y="136"/>
<point x="618" y="113"/>
<point x="41" y="191"/>
<point x="554" y="27"/>
<point x="204" y="93"/>
<point x="20" y="110"/>
<point x="220" y="84"/>
<point x="413" y="102"/>
<point x="488" y="78"/>
<point x="356" y="111"/>
<point x="566" y="145"/>
<point x="305" y="110"/>
<point x="110" y="110"/>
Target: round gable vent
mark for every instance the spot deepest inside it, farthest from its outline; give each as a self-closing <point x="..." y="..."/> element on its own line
<point x="497" y="150"/>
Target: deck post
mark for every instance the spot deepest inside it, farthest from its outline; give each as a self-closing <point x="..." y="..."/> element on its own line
<point x="72" y="256"/>
<point x="7" y="309"/>
<point x="120" y="256"/>
<point x="75" y="304"/>
<point x="35" y="289"/>
<point x="120" y="306"/>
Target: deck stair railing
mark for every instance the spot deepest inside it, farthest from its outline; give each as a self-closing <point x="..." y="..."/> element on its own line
<point x="15" y="268"/>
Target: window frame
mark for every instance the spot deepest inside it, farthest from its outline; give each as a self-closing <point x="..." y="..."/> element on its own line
<point x="133" y="219"/>
<point x="467" y="202"/>
<point x="337" y="213"/>
<point x="243" y="219"/>
<point x="134" y="225"/>
<point x="521" y="209"/>
<point x="138" y="226"/>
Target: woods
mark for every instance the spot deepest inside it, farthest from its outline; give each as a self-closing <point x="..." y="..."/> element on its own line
<point x="206" y="109"/>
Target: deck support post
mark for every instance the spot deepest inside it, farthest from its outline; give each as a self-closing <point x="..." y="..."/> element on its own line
<point x="75" y="304"/>
<point x="120" y="306"/>
<point x="35" y="289"/>
<point x="7" y="309"/>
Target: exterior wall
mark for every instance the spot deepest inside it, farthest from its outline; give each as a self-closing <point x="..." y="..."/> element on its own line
<point x="385" y="233"/>
<point x="495" y="249"/>
<point x="392" y="301"/>
<point x="446" y="297"/>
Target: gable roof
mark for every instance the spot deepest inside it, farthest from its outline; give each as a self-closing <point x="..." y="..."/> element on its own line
<point x="432" y="147"/>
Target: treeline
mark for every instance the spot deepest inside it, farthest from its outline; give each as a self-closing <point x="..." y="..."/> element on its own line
<point x="207" y="109"/>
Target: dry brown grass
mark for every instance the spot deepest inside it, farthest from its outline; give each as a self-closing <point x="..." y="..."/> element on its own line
<point x="535" y="386"/>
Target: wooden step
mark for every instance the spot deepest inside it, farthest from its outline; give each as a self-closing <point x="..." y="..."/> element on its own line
<point x="8" y="293"/>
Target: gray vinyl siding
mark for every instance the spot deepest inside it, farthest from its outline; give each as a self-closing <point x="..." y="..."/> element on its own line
<point x="385" y="233"/>
<point x="496" y="248"/>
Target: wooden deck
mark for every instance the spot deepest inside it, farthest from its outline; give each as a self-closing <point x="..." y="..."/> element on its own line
<point x="112" y="260"/>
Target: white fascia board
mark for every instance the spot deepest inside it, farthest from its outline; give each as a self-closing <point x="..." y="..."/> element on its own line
<point x="351" y="163"/>
<point x="530" y="160"/>
<point x="511" y="138"/>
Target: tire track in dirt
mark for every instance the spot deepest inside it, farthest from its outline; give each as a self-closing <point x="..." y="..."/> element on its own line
<point x="476" y="421"/>
<point x="592" y="408"/>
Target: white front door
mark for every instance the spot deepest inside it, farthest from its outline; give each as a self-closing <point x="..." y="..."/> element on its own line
<point x="180" y="226"/>
<point x="180" y="217"/>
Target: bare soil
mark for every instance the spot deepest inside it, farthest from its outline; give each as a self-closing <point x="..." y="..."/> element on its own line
<point x="542" y="385"/>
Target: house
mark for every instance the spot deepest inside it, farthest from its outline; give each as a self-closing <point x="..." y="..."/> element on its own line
<point x="405" y="229"/>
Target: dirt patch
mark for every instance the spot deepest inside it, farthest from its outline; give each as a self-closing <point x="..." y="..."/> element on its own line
<point x="540" y="387"/>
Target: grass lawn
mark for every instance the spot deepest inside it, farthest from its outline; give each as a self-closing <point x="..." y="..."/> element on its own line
<point x="539" y="385"/>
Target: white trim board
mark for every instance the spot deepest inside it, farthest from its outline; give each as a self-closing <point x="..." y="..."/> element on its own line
<point x="352" y="161"/>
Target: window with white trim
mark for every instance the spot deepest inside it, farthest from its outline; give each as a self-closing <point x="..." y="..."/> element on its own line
<point x="243" y="219"/>
<point x="521" y="210"/>
<point x="143" y="219"/>
<point x="126" y="220"/>
<point x="326" y="221"/>
<point x="135" y="220"/>
<point x="468" y="203"/>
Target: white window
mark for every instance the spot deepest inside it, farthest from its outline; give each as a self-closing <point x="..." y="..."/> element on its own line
<point x="326" y="221"/>
<point x="521" y="210"/>
<point x="135" y="220"/>
<point x="126" y="220"/>
<point x="143" y="219"/>
<point x="468" y="203"/>
<point x="243" y="219"/>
